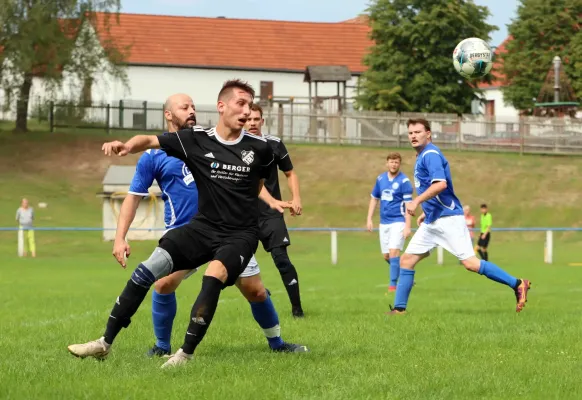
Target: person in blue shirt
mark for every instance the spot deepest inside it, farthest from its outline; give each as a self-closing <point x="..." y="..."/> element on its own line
<point x="442" y="222"/>
<point x="392" y="190"/>
<point x="180" y="196"/>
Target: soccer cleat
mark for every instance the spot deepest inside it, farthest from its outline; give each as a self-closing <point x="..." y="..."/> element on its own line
<point x="521" y="294"/>
<point x="394" y="311"/>
<point x="97" y="349"/>
<point x="177" y="359"/>
<point x="291" y="348"/>
<point x="297" y="312"/>
<point x="158" y="351"/>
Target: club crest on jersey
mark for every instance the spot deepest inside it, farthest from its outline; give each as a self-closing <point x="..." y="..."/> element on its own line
<point x="248" y="156"/>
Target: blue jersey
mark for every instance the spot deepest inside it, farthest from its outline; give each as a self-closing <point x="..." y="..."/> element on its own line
<point x="179" y="190"/>
<point x="431" y="166"/>
<point x="392" y="193"/>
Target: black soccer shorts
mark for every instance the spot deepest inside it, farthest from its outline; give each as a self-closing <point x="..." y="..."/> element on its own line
<point x="273" y="233"/>
<point x="484" y="242"/>
<point x="198" y="242"/>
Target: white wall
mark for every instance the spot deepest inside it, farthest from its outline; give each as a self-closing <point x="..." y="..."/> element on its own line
<point x="155" y="84"/>
<point x="501" y="109"/>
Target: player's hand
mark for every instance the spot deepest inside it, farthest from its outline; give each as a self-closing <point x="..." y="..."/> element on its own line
<point x="370" y="225"/>
<point x="407" y="231"/>
<point x="121" y="251"/>
<point x="296" y="208"/>
<point x="411" y="207"/>
<point x="420" y="219"/>
<point x="483" y="236"/>
<point x="115" y="147"/>
<point x="281" y="206"/>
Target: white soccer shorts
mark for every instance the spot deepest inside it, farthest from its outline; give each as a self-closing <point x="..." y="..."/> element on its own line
<point x="450" y="233"/>
<point x="391" y="236"/>
<point x="252" y="268"/>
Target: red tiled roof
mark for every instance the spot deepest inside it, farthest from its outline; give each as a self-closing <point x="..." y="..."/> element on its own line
<point x="498" y="77"/>
<point x="238" y="43"/>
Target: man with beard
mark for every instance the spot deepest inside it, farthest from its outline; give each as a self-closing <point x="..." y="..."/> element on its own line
<point x="180" y="196"/>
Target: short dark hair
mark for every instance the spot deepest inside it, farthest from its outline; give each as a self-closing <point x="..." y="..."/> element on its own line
<point x="256" y="107"/>
<point x="422" y="121"/>
<point x="394" y="156"/>
<point x="229" y="85"/>
<point x="483" y="205"/>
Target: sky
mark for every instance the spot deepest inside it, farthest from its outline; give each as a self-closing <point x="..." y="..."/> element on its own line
<point x="503" y="11"/>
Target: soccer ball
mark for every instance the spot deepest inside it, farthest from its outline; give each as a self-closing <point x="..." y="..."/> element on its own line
<point x="473" y="58"/>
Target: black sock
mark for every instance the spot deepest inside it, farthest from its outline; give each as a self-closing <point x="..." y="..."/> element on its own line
<point x="125" y="306"/>
<point x="288" y="275"/>
<point x="202" y="312"/>
<point x="486" y="255"/>
<point x="481" y="254"/>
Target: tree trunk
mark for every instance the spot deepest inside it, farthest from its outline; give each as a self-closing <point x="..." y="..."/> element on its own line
<point x="22" y="104"/>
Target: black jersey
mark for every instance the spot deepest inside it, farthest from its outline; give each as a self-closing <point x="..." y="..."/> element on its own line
<point x="281" y="162"/>
<point x="227" y="173"/>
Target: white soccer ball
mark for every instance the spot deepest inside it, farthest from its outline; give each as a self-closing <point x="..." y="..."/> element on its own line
<point x="473" y="58"/>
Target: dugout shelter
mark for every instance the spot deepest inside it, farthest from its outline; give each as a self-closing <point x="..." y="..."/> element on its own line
<point x="149" y="217"/>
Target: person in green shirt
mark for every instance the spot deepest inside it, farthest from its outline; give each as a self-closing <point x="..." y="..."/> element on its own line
<point x="485" y="236"/>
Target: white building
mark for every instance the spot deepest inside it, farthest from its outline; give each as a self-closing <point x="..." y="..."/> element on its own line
<point x="169" y="54"/>
<point x="494" y="103"/>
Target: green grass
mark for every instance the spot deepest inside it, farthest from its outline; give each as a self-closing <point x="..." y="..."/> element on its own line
<point x="462" y="338"/>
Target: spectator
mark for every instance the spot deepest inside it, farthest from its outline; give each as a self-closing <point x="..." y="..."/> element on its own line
<point x="25" y="218"/>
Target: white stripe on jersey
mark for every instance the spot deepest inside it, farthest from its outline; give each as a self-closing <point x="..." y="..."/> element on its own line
<point x="271" y="137"/>
<point x="428" y="152"/>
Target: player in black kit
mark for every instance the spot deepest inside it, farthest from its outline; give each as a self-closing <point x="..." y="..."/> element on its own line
<point x="229" y="167"/>
<point x="272" y="229"/>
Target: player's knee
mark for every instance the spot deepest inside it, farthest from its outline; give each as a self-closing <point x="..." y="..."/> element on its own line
<point x="167" y="285"/>
<point x="407" y="261"/>
<point x="281" y="260"/>
<point x="472" y="264"/>
<point x="253" y="290"/>
<point x="217" y="270"/>
<point x="158" y="265"/>
<point x="394" y="253"/>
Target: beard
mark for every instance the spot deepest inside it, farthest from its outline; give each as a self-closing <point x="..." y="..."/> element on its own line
<point x="188" y="123"/>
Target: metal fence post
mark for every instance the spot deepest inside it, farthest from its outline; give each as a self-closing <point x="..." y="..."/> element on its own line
<point x="145" y="115"/>
<point x="120" y="114"/>
<point x="108" y="119"/>
<point x="51" y="117"/>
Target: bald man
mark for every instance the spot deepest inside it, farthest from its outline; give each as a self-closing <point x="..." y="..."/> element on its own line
<point x="180" y="196"/>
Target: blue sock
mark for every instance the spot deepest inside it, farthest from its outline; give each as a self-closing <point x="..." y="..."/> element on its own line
<point x="163" y="313"/>
<point x="267" y="318"/>
<point x="403" y="288"/>
<point x="496" y="274"/>
<point x="394" y="270"/>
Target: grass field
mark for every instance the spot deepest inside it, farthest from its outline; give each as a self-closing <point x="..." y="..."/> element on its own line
<point x="461" y="339"/>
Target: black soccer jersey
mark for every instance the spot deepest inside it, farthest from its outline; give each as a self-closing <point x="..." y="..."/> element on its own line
<point x="227" y="173"/>
<point x="283" y="162"/>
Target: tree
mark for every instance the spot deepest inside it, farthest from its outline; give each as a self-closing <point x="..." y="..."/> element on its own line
<point x="52" y="39"/>
<point x="542" y="30"/>
<point x="410" y="67"/>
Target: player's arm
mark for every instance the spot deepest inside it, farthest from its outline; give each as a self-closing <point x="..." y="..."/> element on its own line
<point x="134" y="145"/>
<point x="286" y="166"/>
<point x="374" y="199"/>
<point x="142" y="180"/>
<point x="371" y="208"/>
<point x="407" y="198"/>
<point x="436" y="170"/>
<point x="129" y="207"/>
<point x="272" y="202"/>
